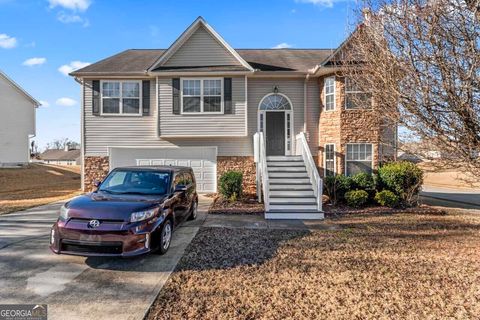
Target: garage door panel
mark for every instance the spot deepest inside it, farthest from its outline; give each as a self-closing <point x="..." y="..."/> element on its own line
<point x="143" y="162"/>
<point x="203" y="161"/>
<point x="156" y="162"/>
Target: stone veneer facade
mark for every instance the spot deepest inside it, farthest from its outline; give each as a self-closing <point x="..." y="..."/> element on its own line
<point x="342" y="126"/>
<point x="246" y="165"/>
<point x="96" y="168"/>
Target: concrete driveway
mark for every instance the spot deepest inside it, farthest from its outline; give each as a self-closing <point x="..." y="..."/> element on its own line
<point x="78" y="287"/>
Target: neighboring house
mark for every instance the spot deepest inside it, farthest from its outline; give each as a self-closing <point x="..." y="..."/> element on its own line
<point x="63" y="157"/>
<point x="200" y="102"/>
<point x="17" y="122"/>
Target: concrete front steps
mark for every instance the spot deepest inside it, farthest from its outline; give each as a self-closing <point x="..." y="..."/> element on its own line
<point x="290" y="189"/>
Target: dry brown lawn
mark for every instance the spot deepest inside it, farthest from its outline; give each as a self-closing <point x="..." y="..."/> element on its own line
<point x="448" y="177"/>
<point x="402" y="266"/>
<point x="35" y="185"/>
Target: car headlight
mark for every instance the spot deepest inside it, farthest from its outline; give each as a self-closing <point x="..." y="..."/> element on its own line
<point x="142" y="215"/>
<point x="64" y="212"/>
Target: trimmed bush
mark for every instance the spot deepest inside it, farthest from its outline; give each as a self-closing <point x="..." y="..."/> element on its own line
<point x="404" y="179"/>
<point x="336" y="186"/>
<point x="231" y="185"/>
<point x="364" y="181"/>
<point x="387" y="198"/>
<point x="356" y="198"/>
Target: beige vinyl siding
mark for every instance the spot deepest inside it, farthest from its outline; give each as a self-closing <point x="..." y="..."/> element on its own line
<point x="102" y="132"/>
<point x="294" y="89"/>
<point x="313" y="114"/>
<point x="134" y="131"/>
<point x="179" y="125"/>
<point x="201" y="49"/>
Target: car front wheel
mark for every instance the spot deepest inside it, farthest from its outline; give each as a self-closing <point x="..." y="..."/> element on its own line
<point x="165" y="237"/>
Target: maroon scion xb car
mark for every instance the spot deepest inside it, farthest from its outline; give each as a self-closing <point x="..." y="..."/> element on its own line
<point x="133" y="211"/>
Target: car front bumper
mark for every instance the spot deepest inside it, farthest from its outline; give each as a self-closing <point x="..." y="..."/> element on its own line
<point x="118" y="241"/>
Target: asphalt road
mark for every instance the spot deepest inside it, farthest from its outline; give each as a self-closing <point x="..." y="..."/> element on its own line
<point x="451" y="197"/>
<point x="79" y="287"/>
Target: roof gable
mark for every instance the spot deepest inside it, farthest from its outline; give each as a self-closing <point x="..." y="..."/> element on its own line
<point x="200" y="45"/>
<point x="19" y="89"/>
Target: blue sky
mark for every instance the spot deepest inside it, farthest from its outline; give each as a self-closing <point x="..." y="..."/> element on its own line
<point x="41" y="38"/>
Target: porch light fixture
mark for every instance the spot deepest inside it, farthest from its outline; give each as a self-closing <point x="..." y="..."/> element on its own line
<point x="275" y="89"/>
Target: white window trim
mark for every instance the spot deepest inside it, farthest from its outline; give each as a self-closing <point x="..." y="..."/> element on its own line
<point x="201" y="97"/>
<point x="121" y="114"/>
<point x="325" y="159"/>
<point x="346" y="152"/>
<point x="353" y="92"/>
<point x="263" y="116"/>
<point x="334" y="93"/>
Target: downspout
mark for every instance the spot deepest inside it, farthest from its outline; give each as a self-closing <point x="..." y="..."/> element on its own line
<point x="305" y="106"/>
<point x="82" y="132"/>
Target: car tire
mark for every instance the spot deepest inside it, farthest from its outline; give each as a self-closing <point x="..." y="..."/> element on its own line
<point x="194" y="211"/>
<point x="165" y="238"/>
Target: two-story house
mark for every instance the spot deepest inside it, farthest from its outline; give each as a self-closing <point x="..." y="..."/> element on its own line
<point x="17" y="122"/>
<point x="200" y="103"/>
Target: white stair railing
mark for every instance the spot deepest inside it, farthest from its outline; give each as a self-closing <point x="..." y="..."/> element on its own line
<point x="303" y="149"/>
<point x="262" y="171"/>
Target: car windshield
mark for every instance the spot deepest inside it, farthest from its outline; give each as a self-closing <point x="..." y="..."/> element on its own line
<point x="136" y="182"/>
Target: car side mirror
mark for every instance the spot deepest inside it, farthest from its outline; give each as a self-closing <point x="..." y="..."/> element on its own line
<point x="181" y="188"/>
<point x="97" y="183"/>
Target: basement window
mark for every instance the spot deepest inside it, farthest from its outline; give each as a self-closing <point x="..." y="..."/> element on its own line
<point x="329" y="159"/>
<point x="359" y="158"/>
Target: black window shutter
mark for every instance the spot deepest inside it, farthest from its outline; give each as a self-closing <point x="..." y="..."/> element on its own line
<point x="96" y="97"/>
<point x="146" y="97"/>
<point x="227" y="95"/>
<point x="176" y="95"/>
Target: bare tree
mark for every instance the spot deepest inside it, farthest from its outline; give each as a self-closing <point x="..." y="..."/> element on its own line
<point x="62" y="143"/>
<point x="420" y="62"/>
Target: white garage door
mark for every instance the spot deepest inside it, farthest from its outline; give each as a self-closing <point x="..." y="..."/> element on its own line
<point x="202" y="160"/>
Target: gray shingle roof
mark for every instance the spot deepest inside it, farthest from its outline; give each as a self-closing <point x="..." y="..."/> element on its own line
<point x="136" y="61"/>
<point x="60" y="154"/>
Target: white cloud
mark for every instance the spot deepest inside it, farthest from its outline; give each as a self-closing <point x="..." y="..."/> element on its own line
<point x="72" y="66"/>
<point x="282" y="45"/>
<point x="7" y="42"/>
<point x="65" y="102"/>
<point x="74" y="5"/>
<point x="44" y="103"/>
<point x="34" y="62"/>
<point x="72" y="18"/>
<point x="321" y="3"/>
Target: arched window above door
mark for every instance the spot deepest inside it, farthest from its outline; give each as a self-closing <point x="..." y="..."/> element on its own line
<point x="275" y="101"/>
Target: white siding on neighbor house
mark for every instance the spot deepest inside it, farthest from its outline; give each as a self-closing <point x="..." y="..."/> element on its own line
<point x="17" y="122"/>
<point x="102" y="132"/>
<point x="202" y="124"/>
<point x="201" y="49"/>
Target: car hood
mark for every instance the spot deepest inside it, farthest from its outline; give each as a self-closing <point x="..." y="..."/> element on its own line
<point x="104" y="206"/>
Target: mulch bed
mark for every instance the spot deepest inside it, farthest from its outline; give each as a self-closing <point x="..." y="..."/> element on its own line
<point x="248" y="205"/>
<point x="340" y="209"/>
